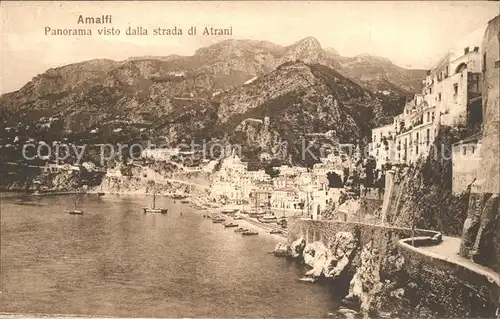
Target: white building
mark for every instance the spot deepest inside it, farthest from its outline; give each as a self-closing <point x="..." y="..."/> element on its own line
<point x="160" y="154"/>
<point x="382" y="142"/>
<point x="286" y="202"/>
<point x="451" y="96"/>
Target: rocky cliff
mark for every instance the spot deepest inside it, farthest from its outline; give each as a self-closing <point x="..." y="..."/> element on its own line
<point x="131" y="105"/>
<point x="103" y="90"/>
<point x="377" y="276"/>
<point x="422" y="193"/>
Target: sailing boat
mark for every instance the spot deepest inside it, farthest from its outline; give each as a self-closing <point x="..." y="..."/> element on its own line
<point x="101" y="193"/>
<point x="153" y="208"/>
<point x="76" y="211"/>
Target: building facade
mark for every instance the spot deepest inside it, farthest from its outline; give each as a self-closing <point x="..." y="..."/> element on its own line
<point x="466" y="164"/>
<point x="451" y="96"/>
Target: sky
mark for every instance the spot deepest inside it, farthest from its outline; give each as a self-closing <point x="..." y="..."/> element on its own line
<point x="413" y="34"/>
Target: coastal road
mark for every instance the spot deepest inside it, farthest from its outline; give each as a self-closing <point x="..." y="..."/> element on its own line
<point x="448" y="250"/>
<point x="182" y="182"/>
<point x="160" y="178"/>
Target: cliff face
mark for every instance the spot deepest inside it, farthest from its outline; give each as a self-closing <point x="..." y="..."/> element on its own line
<point x="63" y="181"/>
<point x="297" y="98"/>
<point x="422" y="193"/>
<point x="379" y="277"/>
<point x="490" y="166"/>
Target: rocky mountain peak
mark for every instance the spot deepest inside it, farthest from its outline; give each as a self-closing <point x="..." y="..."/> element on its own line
<point x="365" y="57"/>
<point x="237" y="47"/>
<point x="331" y="51"/>
<point x="307" y="44"/>
<point x="308" y="50"/>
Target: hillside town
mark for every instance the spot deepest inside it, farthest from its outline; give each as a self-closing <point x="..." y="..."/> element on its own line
<point x="172" y="185"/>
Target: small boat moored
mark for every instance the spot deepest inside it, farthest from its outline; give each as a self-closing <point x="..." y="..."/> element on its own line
<point x="249" y="233"/>
<point x="75" y="212"/>
<point x="268" y="219"/>
<point x="155" y="210"/>
<point x="241" y="230"/>
<point x="230" y="225"/>
<point x="275" y="231"/>
<point x="308" y="279"/>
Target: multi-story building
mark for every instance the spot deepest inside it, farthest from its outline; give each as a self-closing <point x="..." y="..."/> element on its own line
<point x="451" y="96"/>
<point x="159" y="154"/>
<point x="466" y="160"/>
<point x="260" y="197"/>
<point x="231" y="181"/>
<point x="453" y="87"/>
<point x="416" y="129"/>
<point x="382" y="140"/>
<point x="286" y="202"/>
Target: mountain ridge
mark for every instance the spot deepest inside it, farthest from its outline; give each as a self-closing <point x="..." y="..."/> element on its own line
<point x="249" y="58"/>
<point x="301" y="88"/>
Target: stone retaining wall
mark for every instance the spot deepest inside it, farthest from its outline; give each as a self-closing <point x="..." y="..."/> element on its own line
<point x="449" y="288"/>
<point x="446" y="288"/>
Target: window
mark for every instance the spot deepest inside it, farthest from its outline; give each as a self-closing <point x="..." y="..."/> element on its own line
<point x="439" y="96"/>
<point x="455" y="88"/>
<point x="484" y="61"/>
<point x="473" y="149"/>
<point x="466" y="50"/>
<point x="428" y="116"/>
<point x="476" y="49"/>
<point x="465" y="150"/>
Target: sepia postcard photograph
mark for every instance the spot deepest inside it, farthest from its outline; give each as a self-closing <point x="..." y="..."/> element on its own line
<point x="250" y="159"/>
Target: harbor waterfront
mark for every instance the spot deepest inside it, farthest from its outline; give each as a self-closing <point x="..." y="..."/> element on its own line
<point x="254" y="174"/>
<point x="117" y="261"/>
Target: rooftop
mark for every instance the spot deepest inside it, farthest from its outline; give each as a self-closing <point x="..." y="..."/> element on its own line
<point x="470" y="139"/>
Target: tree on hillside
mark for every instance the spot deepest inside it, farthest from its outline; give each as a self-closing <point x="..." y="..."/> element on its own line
<point x="334" y="180"/>
<point x="271" y="171"/>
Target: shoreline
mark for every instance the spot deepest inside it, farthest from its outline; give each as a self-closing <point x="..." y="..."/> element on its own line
<point x="248" y="221"/>
<point x="62" y="193"/>
<point x="251" y="223"/>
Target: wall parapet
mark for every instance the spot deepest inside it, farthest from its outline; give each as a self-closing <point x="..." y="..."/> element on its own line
<point x="449" y="285"/>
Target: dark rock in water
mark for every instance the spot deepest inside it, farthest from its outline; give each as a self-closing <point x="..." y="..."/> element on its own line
<point x="348" y="313"/>
<point x="352" y="302"/>
<point x="296" y="248"/>
<point x="281" y="250"/>
<point x="315" y="256"/>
